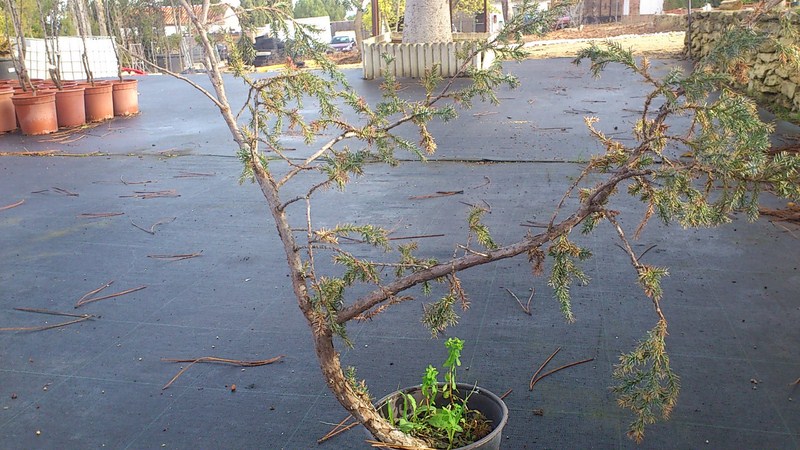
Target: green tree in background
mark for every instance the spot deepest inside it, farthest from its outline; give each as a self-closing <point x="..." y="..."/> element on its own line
<point x="335" y="9"/>
<point x="391" y="11"/>
<point x="253" y="14"/>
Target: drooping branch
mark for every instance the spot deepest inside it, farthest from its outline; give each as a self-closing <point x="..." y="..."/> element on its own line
<point x="178" y="76"/>
<point x="593" y="203"/>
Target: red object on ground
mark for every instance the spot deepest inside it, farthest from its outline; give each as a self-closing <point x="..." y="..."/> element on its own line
<point x="132" y="70"/>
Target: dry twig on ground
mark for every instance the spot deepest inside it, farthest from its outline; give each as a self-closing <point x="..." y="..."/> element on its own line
<point x="13" y="205"/>
<point x="214" y="359"/>
<point x="789" y="214"/>
<point x="100" y="215"/>
<point x="338" y="429"/>
<point x="535" y="374"/>
<point x="565" y="366"/>
<point x="526" y="308"/>
<point x="80" y="318"/>
<point x="152" y="229"/>
<point x="65" y="192"/>
<point x="177" y="257"/>
<point x="437" y="194"/>
<point x="87" y="298"/>
<point x="152" y="194"/>
<point x="193" y="175"/>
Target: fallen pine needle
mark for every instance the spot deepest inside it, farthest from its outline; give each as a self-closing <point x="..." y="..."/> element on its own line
<point x="61" y="136"/>
<point x="795" y="383"/>
<point x="13" y="205"/>
<point x="506" y="394"/>
<point x="49" y="312"/>
<point x="193" y="174"/>
<point x="97" y="299"/>
<point x="213" y="359"/>
<point x="789" y="214"/>
<point x="177" y="257"/>
<point x="338" y="429"/>
<point x="99" y="215"/>
<point x="69" y="141"/>
<point x="80" y="318"/>
<point x="91" y="293"/>
<point x="527" y="307"/>
<point x="152" y="229"/>
<point x="783" y="227"/>
<point x="566" y="366"/>
<point x="533" y="378"/>
<point x="136" y="182"/>
<point x="437" y="194"/>
<point x="488" y="180"/>
<point x="65" y="192"/>
<point x="152" y="194"/>
<point x="36" y="153"/>
<point x="378" y="444"/>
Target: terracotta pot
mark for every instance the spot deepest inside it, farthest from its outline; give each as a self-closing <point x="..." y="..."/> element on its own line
<point x="8" y="118"/>
<point x="36" y="112"/>
<point x="99" y="101"/>
<point x="71" y="107"/>
<point x="126" y="97"/>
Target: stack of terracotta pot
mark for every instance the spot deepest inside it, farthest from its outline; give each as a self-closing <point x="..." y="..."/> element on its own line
<point x="48" y="108"/>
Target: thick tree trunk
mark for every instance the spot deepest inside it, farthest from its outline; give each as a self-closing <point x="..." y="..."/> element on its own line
<point x="427" y="21"/>
<point x="82" y="17"/>
<point x="357" y="404"/>
<point x="359" y="24"/>
<point x="100" y="9"/>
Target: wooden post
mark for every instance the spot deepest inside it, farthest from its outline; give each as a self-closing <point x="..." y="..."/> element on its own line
<point x="376" y="18"/>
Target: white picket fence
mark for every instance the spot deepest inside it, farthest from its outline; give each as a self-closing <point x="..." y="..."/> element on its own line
<point x="411" y="60"/>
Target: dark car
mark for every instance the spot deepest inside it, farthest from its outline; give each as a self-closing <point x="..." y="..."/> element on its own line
<point x="342" y="44"/>
<point x="268" y="49"/>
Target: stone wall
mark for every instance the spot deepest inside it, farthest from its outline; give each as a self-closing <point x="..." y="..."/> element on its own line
<point x="769" y="78"/>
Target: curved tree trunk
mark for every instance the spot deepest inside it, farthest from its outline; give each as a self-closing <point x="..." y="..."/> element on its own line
<point x="427" y="21"/>
<point x="356" y="403"/>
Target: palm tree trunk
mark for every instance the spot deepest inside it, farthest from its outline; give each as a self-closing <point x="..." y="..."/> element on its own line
<point x="427" y="21"/>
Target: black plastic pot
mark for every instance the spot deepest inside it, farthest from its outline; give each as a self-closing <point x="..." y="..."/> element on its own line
<point x="7" y="71"/>
<point x="479" y="399"/>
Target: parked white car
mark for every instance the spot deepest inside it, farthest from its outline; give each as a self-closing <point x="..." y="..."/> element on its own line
<point x="342" y="44"/>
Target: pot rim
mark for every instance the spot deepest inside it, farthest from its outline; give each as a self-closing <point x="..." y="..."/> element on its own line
<point x="40" y="94"/>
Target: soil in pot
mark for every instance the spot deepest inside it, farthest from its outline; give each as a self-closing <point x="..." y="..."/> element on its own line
<point x="126" y="97"/>
<point x="99" y="101"/>
<point x="36" y="112"/>
<point x="8" y="117"/>
<point x="493" y="409"/>
<point x="71" y="107"/>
